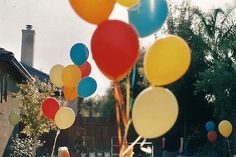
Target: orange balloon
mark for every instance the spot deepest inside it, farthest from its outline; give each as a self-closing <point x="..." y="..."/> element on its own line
<point x="71" y="75"/>
<point x="70" y="93"/>
<point x="93" y="11"/>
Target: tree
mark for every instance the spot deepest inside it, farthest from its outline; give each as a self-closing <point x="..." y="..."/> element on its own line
<point x="31" y="94"/>
<point x="217" y="82"/>
<point x="218" y="29"/>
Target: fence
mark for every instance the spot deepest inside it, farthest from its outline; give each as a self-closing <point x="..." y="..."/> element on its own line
<point x="86" y="135"/>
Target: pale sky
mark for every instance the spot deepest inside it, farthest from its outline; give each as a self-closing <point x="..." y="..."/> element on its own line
<point x="57" y="29"/>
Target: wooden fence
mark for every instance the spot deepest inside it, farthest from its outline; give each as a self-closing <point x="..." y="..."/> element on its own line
<point x="86" y="135"/>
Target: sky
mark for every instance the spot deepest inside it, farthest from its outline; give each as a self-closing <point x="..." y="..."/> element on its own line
<point x="58" y="28"/>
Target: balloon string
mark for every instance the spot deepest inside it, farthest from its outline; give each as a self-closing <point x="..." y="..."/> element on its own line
<point x="126" y="133"/>
<point x="229" y="149"/>
<point x="133" y="76"/>
<point x="132" y="86"/>
<point x="132" y="145"/>
<point x="145" y="149"/>
<point x="127" y="97"/>
<point x="125" y="142"/>
<point x="120" y="100"/>
<point x="53" y="148"/>
<point x="118" y="124"/>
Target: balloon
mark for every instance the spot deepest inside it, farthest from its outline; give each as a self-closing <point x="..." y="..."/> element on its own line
<point x="85" y="69"/>
<point x="50" y="106"/>
<point x="167" y="60"/>
<point x="128" y="3"/>
<point x="155" y="111"/>
<point x="93" y="11"/>
<point x="210" y="126"/>
<point x="70" y="93"/>
<point x="225" y="128"/>
<point x="65" y="117"/>
<point x="74" y="106"/>
<point x="115" y="48"/>
<point x="55" y="75"/>
<point x="71" y="75"/>
<point x="87" y="86"/>
<point x="148" y="16"/>
<point x="14" y="118"/>
<point x="79" y="54"/>
<point x="212" y="136"/>
<point x="63" y="152"/>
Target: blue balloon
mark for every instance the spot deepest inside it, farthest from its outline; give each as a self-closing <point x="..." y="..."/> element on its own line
<point x="86" y="87"/>
<point x="210" y="126"/>
<point x="148" y="16"/>
<point x="79" y="54"/>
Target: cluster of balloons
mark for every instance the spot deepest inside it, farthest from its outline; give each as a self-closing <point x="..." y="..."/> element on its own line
<point x="211" y="135"/>
<point x="147" y="16"/>
<point x="14" y="118"/>
<point x="114" y="43"/>
<point x="74" y="78"/>
<point x="156" y="108"/>
<point x="115" y="49"/>
<point x="224" y="127"/>
<point x="63" y="117"/>
<point x="75" y="81"/>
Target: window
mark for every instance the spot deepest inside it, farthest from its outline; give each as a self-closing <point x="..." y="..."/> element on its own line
<point x="3" y="88"/>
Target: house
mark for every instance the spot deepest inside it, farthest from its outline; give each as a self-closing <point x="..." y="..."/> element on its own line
<point x="13" y="72"/>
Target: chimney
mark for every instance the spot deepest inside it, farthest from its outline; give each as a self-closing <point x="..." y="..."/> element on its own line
<point x="27" y="47"/>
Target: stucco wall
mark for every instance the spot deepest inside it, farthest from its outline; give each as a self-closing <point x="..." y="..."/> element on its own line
<point x="5" y="127"/>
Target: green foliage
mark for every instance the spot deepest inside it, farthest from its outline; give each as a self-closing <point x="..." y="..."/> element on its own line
<point x="91" y="107"/>
<point x="22" y="147"/>
<point x="31" y="95"/>
<point x="216" y="149"/>
<point x="108" y="105"/>
<point x="218" y="80"/>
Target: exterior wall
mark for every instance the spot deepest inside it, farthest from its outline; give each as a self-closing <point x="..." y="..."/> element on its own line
<point x="5" y="127"/>
<point x="6" y="107"/>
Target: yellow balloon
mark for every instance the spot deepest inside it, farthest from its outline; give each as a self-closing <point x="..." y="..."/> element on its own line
<point x="225" y="128"/>
<point x="55" y="75"/>
<point x="71" y="75"/>
<point x="93" y="11"/>
<point x="154" y="112"/>
<point x="64" y="118"/>
<point x="128" y="3"/>
<point x="167" y="60"/>
<point x="14" y="118"/>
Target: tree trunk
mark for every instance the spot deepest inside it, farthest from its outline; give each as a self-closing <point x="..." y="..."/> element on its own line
<point x="34" y="148"/>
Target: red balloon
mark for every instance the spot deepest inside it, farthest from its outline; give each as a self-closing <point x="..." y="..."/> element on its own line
<point x="50" y="106"/>
<point x="115" y="48"/>
<point x="85" y="69"/>
<point x="212" y="136"/>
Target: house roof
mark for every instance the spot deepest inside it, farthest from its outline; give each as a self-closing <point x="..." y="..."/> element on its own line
<point x="23" y="71"/>
<point x="7" y="59"/>
<point x="36" y="73"/>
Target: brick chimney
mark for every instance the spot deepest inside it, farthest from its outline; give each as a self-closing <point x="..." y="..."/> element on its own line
<point x="27" y="47"/>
